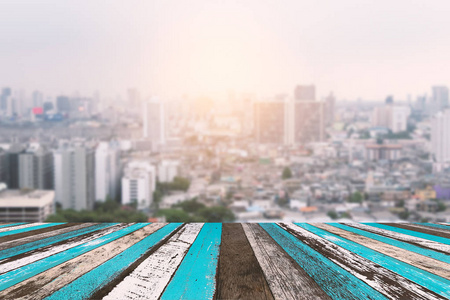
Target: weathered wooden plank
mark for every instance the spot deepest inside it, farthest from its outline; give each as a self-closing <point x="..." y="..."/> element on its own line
<point x="21" y="260"/>
<point x="196" y="275"/>
<point x="49" y="281"/>
<point x="390" y="257"/>
<point x="334" y="280"/>
<point x="29" y="270"/>
<point x="403" y="237"/>
<point x="424" y="229"/>
<point x="19" y="236"/>
<point x="447" y="228"/>
<point x="398" y="229"/>
<point x="15" y="226"/>
<point x="3" y="225"/>
<point x="51" y="240"/>
<point x="239" y="274"/>
<point x="407" y="246"/>
<point x="150" y="278"/>
<point x="286" y="279"/>
<point x="24" y="228"/>
<point x="381" y="279"/>
<point x="85" y="286"/>
<point x="39" y="236"/>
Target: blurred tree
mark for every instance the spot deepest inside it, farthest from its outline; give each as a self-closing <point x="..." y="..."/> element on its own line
<point x="287" y="173"/>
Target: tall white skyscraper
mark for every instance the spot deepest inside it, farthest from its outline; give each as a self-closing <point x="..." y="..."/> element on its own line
<point x="138" y="184"/>
<point x="107" y="171"/>
<point x="440" y="140"/>
<point x="154" y="123"/>
<point x="74" y="170"/>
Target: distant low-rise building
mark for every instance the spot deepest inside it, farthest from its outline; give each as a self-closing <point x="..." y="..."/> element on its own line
<point x="167" y="170"/>
<point x="26" y="206"/>
<point x="138" y="184"/>
<point x="383" y="151"/>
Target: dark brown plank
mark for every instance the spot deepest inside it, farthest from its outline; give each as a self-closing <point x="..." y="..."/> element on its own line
<point x="239" y="274"/>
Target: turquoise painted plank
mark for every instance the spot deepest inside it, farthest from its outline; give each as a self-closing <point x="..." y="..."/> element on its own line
<point x="51" y="240"/>
<point x="12" y="224"/>
<point x="407" y="246"/>
<point x="412" y="233"/>
<point x="86" y="285"/>
<point x="335" y="281"/>
<point x="196" y="276"/>
<point x="434" y="225"/>
<point x="426" y="279"/>
<point x="15" y="276"/>
<point x="28" y="229"/>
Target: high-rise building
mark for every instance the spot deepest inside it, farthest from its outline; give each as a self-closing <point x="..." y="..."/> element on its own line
<point x="391" y="116"/>
<point x="4" y="99"/>
<point x="288" y="122"/>
<point x="63" y="104"/>
<point x="270" y="118"/>
<point x="154" y="124"/>
<point x="36" y="168"/>
<point x="4" y="172"/>
<point x="37" y="99"/>
<point x="74" y="170"/>
<point x="439" y="99"/>
<point x="138" y="184"/>
<point x="13" y="165"/>
<point x="107" y="171"/>
<point x="309" y="122"/>
<point x="440" y="140"/>
<point x="330" y="103"/>
<point x="305" y="92"/>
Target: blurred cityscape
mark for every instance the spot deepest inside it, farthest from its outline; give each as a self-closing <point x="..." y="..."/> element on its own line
<point x="296" y="156"/>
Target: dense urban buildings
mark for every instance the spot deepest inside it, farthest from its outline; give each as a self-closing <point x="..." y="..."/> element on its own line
<point x="289" y="157"/>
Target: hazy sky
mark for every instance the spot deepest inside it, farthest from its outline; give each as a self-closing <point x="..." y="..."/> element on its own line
<point x="354" y="48"/>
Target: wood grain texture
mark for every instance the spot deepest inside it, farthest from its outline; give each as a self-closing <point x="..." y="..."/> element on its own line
<point x="224" y="261"/>
<point x="424" y="229"/>
<point x="286" y="279"/>
<point x="403" y="262"/>
<point x="150" y="278"/>
<point x="421" y="242"/>
<point x="239" y="276"/>
<point x="40" y="236"/>
<point x="49" y="281"/>
<point x="382" y="279"/>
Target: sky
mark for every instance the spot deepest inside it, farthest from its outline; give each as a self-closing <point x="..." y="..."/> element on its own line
<point x="354" y="48"/>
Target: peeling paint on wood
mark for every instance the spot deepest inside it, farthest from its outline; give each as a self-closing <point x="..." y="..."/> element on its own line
<point x="224" y="261"/>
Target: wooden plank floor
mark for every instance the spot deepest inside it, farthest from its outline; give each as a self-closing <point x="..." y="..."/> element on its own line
<point x="224" y="261"/>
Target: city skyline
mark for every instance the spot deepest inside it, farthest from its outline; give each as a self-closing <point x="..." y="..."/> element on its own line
<point x="357" y="50"/>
